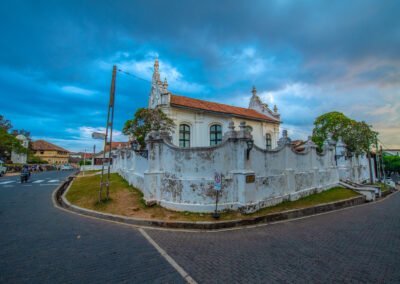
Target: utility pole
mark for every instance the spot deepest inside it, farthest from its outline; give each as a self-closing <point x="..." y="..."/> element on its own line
<point x="84" y="163"/>
<point x="110" y="119"/>
<point x="383" y="168"/>
<point x="378" y="168"/>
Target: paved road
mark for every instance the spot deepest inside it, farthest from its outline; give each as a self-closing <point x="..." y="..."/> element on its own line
<point x="43" y="244"/>
<point x="40" y="243"/>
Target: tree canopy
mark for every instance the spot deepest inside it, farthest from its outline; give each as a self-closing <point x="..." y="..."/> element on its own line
<point x="392" y="163"/>
<point x="146" y="120"/>
<point x="8" y="142"/>
<point x="357" y="136"/>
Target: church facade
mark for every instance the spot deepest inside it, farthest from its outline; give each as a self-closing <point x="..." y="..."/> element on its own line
<point x="200" y="123"/>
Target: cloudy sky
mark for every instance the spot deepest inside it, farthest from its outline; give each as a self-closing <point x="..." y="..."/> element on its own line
<point x="307" y="57"/>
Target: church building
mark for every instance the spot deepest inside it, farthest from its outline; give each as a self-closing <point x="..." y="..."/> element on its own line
<point x="200" y="123"/>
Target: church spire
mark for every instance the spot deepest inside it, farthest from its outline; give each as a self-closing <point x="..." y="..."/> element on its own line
<point x="254" y="91"/>
<point x="156" y="74"/>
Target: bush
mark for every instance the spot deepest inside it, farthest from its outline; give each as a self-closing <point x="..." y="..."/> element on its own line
<point x="88" y="162"/>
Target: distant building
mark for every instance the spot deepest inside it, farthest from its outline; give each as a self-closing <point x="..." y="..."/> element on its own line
<point x="50" y="152"/>
<point x="392" y="152"/>
<point x="20" y="158"/>
<point x="98" y="157"/>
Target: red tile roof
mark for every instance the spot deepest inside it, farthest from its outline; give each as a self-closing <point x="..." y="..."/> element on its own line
<point x="217" y="107"/>
<point x="41" y="145"/>
<point x="115" y="145"/>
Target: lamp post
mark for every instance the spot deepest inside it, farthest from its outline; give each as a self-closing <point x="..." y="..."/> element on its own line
<point x="250" y="145"/>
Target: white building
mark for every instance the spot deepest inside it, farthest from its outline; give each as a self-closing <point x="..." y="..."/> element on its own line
<point x="202" y="123"/>
<point x="20" y="158"/>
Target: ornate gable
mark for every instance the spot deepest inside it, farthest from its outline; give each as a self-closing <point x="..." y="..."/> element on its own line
<point x="259" y="106"/>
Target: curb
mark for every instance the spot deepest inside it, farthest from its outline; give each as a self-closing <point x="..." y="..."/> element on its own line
<point x="61" y="201"/>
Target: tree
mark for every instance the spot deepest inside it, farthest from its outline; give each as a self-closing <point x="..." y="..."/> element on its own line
<point x="146" y="120"/>
<point x="392" y="163"/>
<point x="16" y="132"/>
<point x="357" y="136"/>
<point x="5" y="123"/>
<point x="8" y="142"/>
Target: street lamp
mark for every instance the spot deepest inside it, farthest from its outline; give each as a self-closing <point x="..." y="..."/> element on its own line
<point x="250" y="145"/>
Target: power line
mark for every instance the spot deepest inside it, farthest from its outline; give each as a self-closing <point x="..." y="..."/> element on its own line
<point x="145" y="80"/>
<point x="134" y="76"/>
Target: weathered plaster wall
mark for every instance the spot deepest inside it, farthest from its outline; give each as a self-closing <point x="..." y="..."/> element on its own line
<point x="353" y="168"/>
<point x="183" y="179"/>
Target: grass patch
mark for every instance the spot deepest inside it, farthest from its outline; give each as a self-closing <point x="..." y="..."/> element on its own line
<point x="128" y="201"/>
<point x="382" y="185"/>
<point x="89" y="172"/>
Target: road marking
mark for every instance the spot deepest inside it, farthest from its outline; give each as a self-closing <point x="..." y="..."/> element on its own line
<point x="26" y="185"/>
<point x="53" y="180"/>
<point x="8" y="186"/>
<point x="7" y="181"/>
<point x="170" y="260"/>
<point x="38" y="181"/>
<point x="53" y="184"/>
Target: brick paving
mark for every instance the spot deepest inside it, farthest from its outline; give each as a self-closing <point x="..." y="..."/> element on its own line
<point x="357" y="245"/>
<point x="40" y="243"/>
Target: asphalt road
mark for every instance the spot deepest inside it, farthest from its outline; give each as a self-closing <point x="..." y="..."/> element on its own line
<point x="40" y="243"/>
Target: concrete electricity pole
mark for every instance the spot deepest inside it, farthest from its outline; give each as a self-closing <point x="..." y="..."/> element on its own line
<point x="110" y="119"/>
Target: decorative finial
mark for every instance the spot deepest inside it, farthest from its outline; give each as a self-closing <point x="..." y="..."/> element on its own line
<point x="165" y="83"/>
<point x="254" y="91"/>
<point x="156" y="65"/>
<point x="284" y="134"/>
<point x="275" y="108"/>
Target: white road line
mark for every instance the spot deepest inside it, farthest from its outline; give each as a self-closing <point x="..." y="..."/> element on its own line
<point x="7" y="181"/>
<point x="38" y="181"/>
<point x="8" y="186"/>
<point x="170" y="260"/>
<point x="53" y="180"/>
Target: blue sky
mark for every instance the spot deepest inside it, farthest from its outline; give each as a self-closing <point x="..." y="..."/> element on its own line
<point x="307" y="57"/>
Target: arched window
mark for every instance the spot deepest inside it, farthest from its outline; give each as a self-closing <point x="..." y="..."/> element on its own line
<point x="268" y="141"/>
<point x="215" y="134"/>
<point x="184" y="136"/>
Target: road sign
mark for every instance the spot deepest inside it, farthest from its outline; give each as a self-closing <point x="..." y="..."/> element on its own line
<point x="98" y="135"/>
<point x="217" y="181"/>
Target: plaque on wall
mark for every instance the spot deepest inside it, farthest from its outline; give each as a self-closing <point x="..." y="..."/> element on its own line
<point x="250" y="178"/>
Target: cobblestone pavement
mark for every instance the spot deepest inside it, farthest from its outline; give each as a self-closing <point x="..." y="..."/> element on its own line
<point x="42" y="244"/>
<point x="360" y="244"/>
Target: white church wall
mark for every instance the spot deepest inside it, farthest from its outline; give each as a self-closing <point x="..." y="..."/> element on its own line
<point x="183" y="179"/>
<point x="200" y="123"/>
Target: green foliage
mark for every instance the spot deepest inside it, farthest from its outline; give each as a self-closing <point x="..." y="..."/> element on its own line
<point x="8" y="142"/>
<point x="392" y="163"/>
<point x="87" y="162"/>
<point x="36" y="160"/>
<point x="357" y="136"/>
<point x="146" y="120"/>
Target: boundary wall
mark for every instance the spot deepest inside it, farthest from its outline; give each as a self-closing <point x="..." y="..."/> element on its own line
<point x="182" y="179"/>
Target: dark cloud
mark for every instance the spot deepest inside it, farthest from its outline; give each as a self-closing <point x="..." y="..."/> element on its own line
<point x="224" y="46"/>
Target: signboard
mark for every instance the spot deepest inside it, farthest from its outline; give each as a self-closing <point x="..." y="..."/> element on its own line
<point x="217" y="181"/>
<point x="98" y="135"/>
<point x="250" y="178"/>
